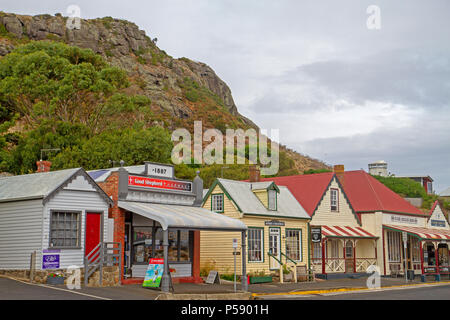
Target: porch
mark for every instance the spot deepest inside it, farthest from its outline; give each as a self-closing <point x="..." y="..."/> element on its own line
<point x="344" y="252"/>
<point x="427" y="251"/>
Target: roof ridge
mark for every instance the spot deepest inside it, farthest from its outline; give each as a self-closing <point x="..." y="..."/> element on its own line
<point x="373" y="189"/>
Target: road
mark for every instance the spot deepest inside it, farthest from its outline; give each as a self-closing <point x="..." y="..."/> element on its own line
<point x="440" y="292"/>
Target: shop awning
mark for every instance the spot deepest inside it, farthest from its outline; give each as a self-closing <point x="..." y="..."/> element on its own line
<point x="346" y="232"/>
<point x="183" y="217"/>
<point x="423" y="233"/>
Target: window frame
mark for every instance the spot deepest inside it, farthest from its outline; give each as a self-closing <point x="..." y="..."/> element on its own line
<point x="337" y="199"/>
<point x="79" y="221"/>
<point x="300" y="242"/>
<point x="273" y="191"/>
<point x="262" y="244"/>
<point x="223" y="202"/>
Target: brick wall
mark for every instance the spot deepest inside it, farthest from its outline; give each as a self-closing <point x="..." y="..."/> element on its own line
<point x="111" y="187"/>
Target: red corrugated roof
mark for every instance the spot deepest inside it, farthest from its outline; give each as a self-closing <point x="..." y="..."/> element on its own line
<point x="365" y="193"/>
<point x="307" y="189"/>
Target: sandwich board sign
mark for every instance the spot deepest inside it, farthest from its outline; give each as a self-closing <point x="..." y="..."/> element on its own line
<point x="154" y="273"/>
<point x="213" y="277"/>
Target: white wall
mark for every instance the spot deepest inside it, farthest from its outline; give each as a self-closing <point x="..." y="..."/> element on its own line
<point x="20" y="233"/>
<point x="83" y="198"/>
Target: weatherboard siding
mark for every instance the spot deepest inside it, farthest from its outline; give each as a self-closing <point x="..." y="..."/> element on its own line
<point x="20" y="233"/>
<point x="74" y="200"/>
<point x="262" y="196"/>
<point x="216" y="250"/>
<point x="324" y="216"/>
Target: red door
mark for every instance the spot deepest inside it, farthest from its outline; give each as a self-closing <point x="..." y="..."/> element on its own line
<point x="93" y="230"/>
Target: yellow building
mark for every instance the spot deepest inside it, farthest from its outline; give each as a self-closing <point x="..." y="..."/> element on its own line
<point x="277" y="227"/>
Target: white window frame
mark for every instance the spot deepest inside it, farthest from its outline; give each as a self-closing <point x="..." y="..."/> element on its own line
<point x="217" y="203"/>
<point x="334" y="199"/>
<point x="255" y="244"/>
<point x="299" y="245"/>
<point x="272" y="199"/>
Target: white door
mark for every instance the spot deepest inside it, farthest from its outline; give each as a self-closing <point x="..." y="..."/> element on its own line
<point x="274" y="247"/>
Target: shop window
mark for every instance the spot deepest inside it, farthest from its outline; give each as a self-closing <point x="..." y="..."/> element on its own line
<point x="334" y="199"/>
<point x="394" y="246"/>
<point x="255" y="245"/>
<point x="415" y="249"/>
<point x="65" y="229"/>
<point x="272" y="199"/>
<point x="429" y="257"/>
<point x="443" y="254"/>
<point x="293" y="244"/>
<point x="178" y="250"/>
<point x="217" y="202"/>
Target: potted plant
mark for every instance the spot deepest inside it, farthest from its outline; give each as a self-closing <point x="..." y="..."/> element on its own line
<point x="55" y="278"/>
<point x="259" y="277"/>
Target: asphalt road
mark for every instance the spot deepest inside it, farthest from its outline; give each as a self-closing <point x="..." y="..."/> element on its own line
<point x="441" y="292"/>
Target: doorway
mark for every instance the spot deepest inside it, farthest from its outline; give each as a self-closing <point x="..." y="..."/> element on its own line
<point x="93" y="232"/>
<point x="274" y="247"/>
<point x="349" y="257"/>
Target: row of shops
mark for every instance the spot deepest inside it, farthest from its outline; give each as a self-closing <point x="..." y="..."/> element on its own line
<point x="337" y="223"/>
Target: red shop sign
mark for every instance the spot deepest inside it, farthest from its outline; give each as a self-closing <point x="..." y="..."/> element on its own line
<point x="136" y="181"/>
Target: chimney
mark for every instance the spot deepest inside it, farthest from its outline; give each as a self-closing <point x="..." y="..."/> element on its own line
<point x="43" y="166"/>
<point x="339" y="170"/>
<point x="254" y="173"/>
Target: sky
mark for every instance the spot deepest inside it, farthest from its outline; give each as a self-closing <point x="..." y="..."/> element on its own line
<point x="338" y="90"/>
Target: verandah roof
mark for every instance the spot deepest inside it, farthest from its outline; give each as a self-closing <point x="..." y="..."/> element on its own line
<point x="346" y="232"/>
<point x="422" y="233"/>
<point x="183" y="217"/>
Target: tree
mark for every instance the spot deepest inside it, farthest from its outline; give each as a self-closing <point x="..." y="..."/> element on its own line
<point x="54" y="80"/>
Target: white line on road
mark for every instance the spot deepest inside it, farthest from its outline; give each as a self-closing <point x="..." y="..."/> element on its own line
<point x="60" y="289"/>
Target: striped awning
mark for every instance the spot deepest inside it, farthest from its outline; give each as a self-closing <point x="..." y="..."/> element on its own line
<point x="423" y="233"/>
<point x="346" y="232"/>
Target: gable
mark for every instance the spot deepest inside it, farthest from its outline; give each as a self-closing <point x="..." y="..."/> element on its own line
<point x="79" y="183"/>
<point x="344" y="216"/>
<point x="229" y="207"/>
<point x="437" y="220"/>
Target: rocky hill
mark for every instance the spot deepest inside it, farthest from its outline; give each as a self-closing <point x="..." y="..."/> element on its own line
<point x="180" y="90"/>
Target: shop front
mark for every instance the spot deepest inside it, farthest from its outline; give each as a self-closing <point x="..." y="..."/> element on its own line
<point x="158" y="216"/>
<point x="427" y="250"/>
<point x="342" y="250"/>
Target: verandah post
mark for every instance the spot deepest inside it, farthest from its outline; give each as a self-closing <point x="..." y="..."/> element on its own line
<point x="165" y="280"/>
<point x="244" y="267"/>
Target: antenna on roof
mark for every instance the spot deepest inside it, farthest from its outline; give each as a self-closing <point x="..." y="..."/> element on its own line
<point x="48" y="150"/>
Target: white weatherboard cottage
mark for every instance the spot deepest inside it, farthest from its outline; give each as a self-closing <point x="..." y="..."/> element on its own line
<point x="49" y="213"/>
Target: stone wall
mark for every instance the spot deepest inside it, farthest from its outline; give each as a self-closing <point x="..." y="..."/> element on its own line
<point x="110" y="276"/>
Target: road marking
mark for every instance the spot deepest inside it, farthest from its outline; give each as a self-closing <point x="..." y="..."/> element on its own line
<point x="350" y="290"/>
<point x="60" y="289"/>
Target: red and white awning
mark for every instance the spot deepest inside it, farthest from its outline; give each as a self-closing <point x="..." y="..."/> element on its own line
<point x="346" y="232"/>
<point x="423" y="233"/>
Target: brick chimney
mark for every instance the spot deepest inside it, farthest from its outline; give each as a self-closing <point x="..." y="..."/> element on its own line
<point x="43" y="166"/>
<point x="339" y="170"/>
<point x="255" y="173"/>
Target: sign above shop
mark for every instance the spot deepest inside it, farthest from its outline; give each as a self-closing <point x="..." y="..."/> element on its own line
<point x="316" y="234"/>
<point x="159" y="170"/>
<point x="403" y="219"/>
<point x="161" y="184"/>
<point x="274" y="223"/>
<point x="437" y="223"/>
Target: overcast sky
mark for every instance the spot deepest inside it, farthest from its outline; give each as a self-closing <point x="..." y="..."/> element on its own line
<point x="337" y="90"/>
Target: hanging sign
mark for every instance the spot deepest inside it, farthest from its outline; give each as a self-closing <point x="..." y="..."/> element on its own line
<point x="162" y="184"/>
<point x="154" y="273"/>
<point x="316" y="234"/>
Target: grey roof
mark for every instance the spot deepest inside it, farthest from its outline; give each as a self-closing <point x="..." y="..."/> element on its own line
<point x="445" y="193"/>
<point x="186" y="217"/>
<point x="242" y="194"/>
<point x="101" y="175"/>
<point x="261" y="185"/>
<point x="33" y="186"/>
